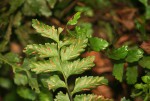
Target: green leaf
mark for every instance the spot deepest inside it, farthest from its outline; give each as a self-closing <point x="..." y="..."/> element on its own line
<point x="146" y="79"/>
<point x="45" y="66"/>
<point x="78" y="66"/>
<point x="83" y="31"/>
<point x="148" y="12"/>
<point x="47" y="31"/>
<point x="132" y="74"/>
<point x="52" y="3"/>
<point x="73" y="50"/>
<point x="144" y="2"/>
<point x="45" y="96"/>
<point x="145" y="62"/>
<point x="118" y="71"/>
<point x="119" y="53"/>
<point x="47" y="50"/>
<point x="62" y="97"/>
<point x="12" y="57"/>
<point x="134" y="55"/>
<point x="139" y="86"/>
<point x="26" y="93"/>
<point x="98" y="44"/>
<point x="20" y="79"/>
<point x="124" y="99"/>
<point x="66" y="41"/>
<point x="36" y="7"/>
<point x="54" y="82"/>
<point x="75" y="18"/>
<point x="33" y="82"/>
<point x="5" y="83"/>
<point x="15" y="4"/>
<point x="87" y="83"/>
<point x="89" y="97"/>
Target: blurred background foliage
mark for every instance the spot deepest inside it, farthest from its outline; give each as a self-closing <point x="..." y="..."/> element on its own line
<point x="120" y="22"/>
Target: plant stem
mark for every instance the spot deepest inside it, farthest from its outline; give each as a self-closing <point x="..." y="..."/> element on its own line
<point x="68" y="90"/>
<point x="65" y="78"/>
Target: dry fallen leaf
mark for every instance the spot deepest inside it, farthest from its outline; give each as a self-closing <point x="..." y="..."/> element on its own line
<point x="146" y="47"/>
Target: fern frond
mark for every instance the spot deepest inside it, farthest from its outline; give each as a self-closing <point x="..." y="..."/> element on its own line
<point x="54" y="82"/>
<point x="90" y="97"/>
<point x="87" y="83"/>
<point x="78" y="66"/>
<point x="47" y="50"/>
<point x="46" y="30"/>
<point x="62" y="97"/>
<point x="46" y="66"/>
<point x="74" y="50"/>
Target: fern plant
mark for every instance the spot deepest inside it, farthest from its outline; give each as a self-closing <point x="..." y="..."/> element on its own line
<point x="62" y="57"/>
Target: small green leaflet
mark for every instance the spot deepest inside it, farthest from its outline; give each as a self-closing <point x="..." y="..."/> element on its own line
<point x="119" y="53"/>
<point x="12" y="57"/>
<point x="139" y="86"/>
<point x="54" y="82"/>
<point x="78" y="66"/>
<point x="47" y="50"/>
<point x="74" y="50"/>
<point x="62" y="97"/>
<point x="144" y="2"/>
<point x="45" y="96"/>
<point x="118" y="71"/>
<point x="146" y="79"/>
<point x="33" y="82"/>
<point x="124" y="99"/>
<point x="87" y="83"/>
<point x="26" y="93"/>
<point x="75" y="18"/>
<point x="20" y="79"/>
<point x="52" y="3"/>
<point x="145" y="62"/>
<point x="98" y="44"/>
<point x="147" y="8"/>
<point x="47" y="31"/>
<point x="45" y="66"/>
<point x="5" y="83"/>
<point x="132" y="74"/>
<point x="89" y="97"/>
<point x="134" y="55"/>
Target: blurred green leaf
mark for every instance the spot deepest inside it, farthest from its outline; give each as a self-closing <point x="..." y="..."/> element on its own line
<point x="20" y="79"/>
<point x="74" y="20"/>
<point x="119" y="53"/>
<point x="134" y="55"/>
<point x="144" y="2"/>
<point x="146" y="79"/>
<point x="98" y="44"/>
<point x="15" y="4"/>
<point x="139" y="86"/>
<point x="52" y="3"/>
<point x="132" y="74"/>
<point x="45" y="96"/>
<point x="5" y="83"/>
<point x="118" y="71"/>
<point x="124" y="99"/>
<point x="12" y="57"/>
<point x="87" y="11"/>
<point x="26" y="93"/>
<point x="145" y="62"/>
<point x="33" y="82"/>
